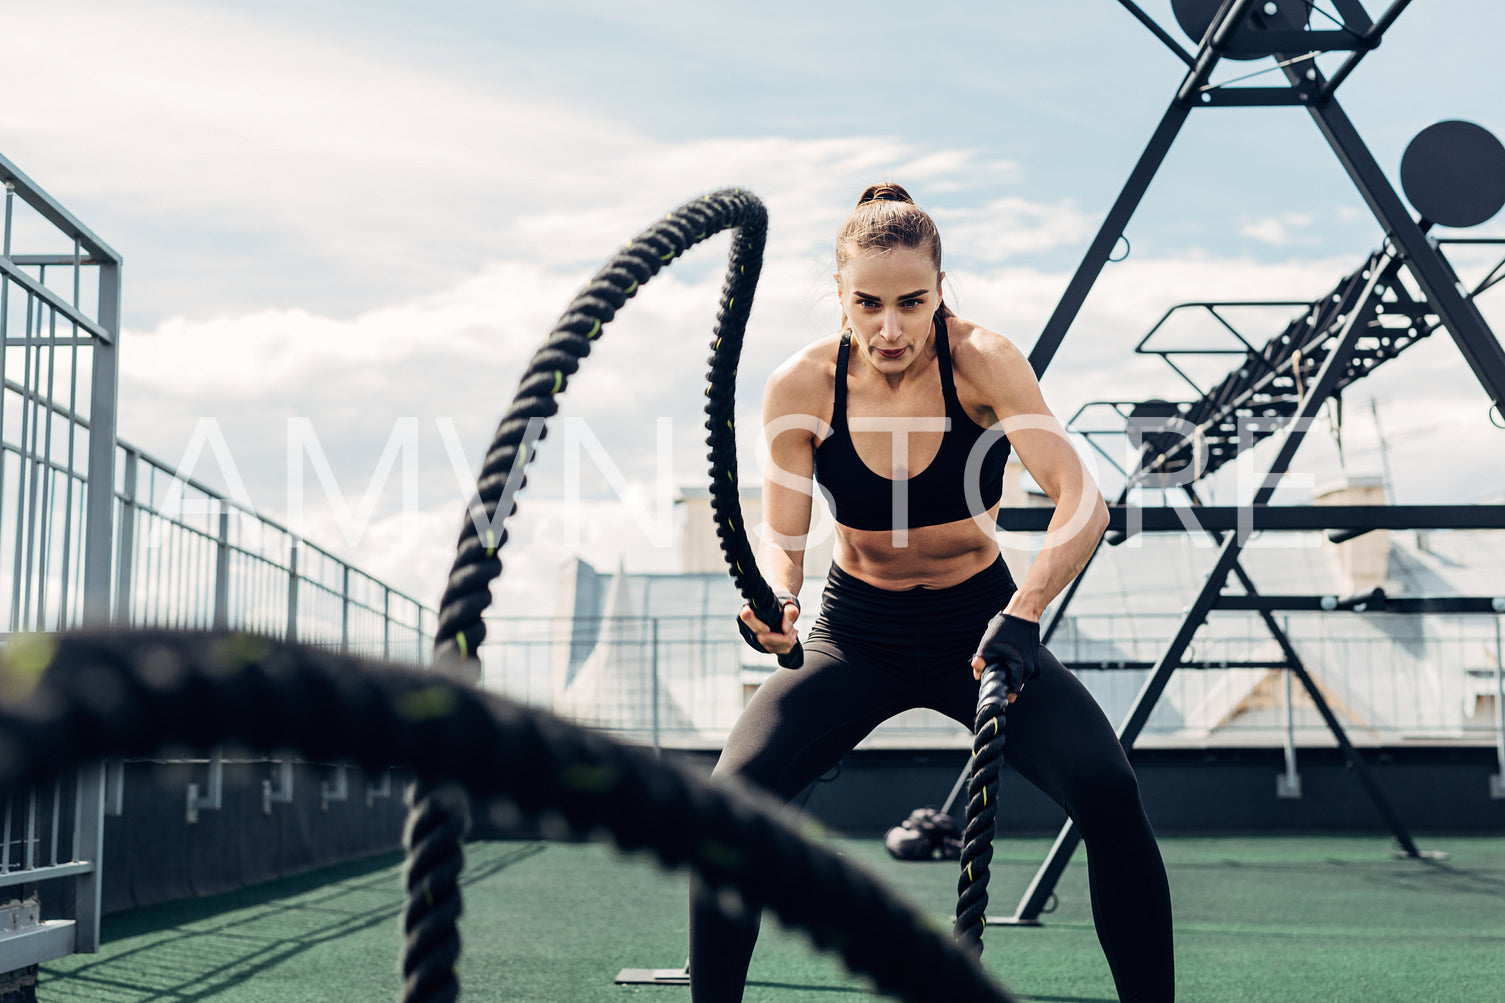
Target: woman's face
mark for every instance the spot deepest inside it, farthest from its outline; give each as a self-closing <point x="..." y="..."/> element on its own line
<point x="890" y="298"/>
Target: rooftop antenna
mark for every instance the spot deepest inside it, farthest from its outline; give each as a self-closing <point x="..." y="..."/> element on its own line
<point x="1374" y="409"/>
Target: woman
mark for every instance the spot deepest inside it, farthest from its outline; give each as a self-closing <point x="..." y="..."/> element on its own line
<point x="900" y="419"/>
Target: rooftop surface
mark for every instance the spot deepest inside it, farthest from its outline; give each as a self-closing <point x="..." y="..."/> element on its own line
<point x="1330" y="918"/>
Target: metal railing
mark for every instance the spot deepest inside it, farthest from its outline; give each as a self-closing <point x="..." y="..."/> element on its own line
<point x="59" y="326"/>
<point x="681" y="681"/>
<point x="150" y="548"/>
<point x="187" y="556"/>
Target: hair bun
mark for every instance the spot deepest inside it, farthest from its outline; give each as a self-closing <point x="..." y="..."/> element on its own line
<point x="884" y="191"/>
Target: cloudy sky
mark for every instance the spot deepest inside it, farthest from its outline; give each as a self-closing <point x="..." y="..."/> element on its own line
<point x="361" y="218"/>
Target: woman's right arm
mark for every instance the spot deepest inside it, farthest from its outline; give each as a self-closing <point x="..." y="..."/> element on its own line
<point x="788" y="482"/>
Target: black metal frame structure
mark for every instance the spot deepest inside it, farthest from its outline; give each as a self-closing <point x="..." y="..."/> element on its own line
<point x="1280" y="388"/>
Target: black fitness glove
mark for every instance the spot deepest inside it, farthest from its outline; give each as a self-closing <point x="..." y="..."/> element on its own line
<point x="1011" y="643"/>
<point x="752" y="638"/>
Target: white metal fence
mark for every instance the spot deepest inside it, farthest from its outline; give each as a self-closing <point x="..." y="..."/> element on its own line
<point x="187" y="556"/>
<point x="59" y="325"/>
<point x="1390" y="678"/>
<point x="150" y="548"/>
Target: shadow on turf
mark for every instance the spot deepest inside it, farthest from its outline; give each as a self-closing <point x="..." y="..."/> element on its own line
<point x="865" y="992"/>
<point x="199" y="971"/>
<point x="1440" y="874"/>
<point x="1387" y="871"/>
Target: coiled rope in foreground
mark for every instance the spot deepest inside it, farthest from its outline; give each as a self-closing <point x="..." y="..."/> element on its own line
<point x="435" y="855"/>
<point x="72" y="698"/>
<point x="982" y="810"/>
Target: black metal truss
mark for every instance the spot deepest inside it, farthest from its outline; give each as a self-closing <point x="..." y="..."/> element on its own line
<point x="1129" y="665"/>
<point x="1307" y="87"/>
<point x="1346" y="519"/>
<point x="1366" y="603"/>
<point x="1186" y="441"/>
<point x="1266" y="386"/>
<point x="1338" y="357"/>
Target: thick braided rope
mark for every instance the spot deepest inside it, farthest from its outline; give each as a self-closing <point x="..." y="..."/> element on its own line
<point x="467" y="593"/>
<point x="438" y="818"/>
<point x="74" y="698"/>
<point x="433" y="943"/>
<point x="743" y="268"/>
<point x="982" y="810"/>
<point x="433" y="839"/>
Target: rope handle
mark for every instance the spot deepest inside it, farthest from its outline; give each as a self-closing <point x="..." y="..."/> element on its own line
<point x="774" y="614"/>
<point x="982" y="808"/>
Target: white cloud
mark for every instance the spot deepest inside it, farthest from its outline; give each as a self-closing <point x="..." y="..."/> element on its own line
<point x="214" y="108"/>
<point x="1279" y="229"/>
<point x="1013" y="226"/>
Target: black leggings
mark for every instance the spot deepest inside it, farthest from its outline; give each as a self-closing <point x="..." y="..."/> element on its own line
<point x="874" y="653"/>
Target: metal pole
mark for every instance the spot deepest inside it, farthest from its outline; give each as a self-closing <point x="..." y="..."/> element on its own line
<point x="72" y="586"/>
<point x="20" y="605"/>
<point x="57" y="801"/>
<point x="1497" y="781"/>
<point x="10" y="197"/>
<point x="292" y="592"/>
<point x="88" y="844"/>
<point x="31" y="829"/>
<point x="1288" y="784"/>
<point x="222" y="570"/>
<point x="99" y="509"/>
<point x="657" y="751"/>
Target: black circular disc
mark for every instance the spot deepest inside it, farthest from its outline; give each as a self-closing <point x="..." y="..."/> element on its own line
<point x="1454" y="173"/>
<point x="1194" y="17"/>
<point x="1154" y="408"/>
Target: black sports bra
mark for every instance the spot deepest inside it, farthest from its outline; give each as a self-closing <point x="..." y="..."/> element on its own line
<point x="861" y="499"/>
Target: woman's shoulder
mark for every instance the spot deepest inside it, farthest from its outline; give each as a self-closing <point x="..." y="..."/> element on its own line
<point x="809" y="373"/>
<point x="975" y="350"/>
<point x="992" y="375"/>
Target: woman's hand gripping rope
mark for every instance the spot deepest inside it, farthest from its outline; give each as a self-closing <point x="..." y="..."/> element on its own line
<point x="1010" y="644"/>
<point x="784" y="642"/>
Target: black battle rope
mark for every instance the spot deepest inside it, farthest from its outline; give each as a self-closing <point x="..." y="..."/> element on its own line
<point x="467" y="594"/>
<point x="436" y="859"/>
<point x="982" y="809"/>
<point x="433" y="840"/>
<point x="438" y="818"/>
<point x="69" y="699"/>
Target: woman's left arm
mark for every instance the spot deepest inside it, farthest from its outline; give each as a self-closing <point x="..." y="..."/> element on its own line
<point x="1004" y="375"/>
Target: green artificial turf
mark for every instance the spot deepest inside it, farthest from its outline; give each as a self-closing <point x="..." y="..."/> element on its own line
<point x="1327" y="919"/>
